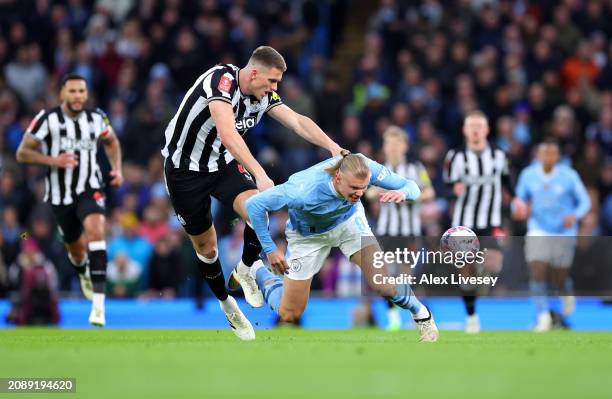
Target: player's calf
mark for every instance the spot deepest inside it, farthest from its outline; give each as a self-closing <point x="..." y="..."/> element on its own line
<point x="77" y="254"/>
<point x="97" y="265"/>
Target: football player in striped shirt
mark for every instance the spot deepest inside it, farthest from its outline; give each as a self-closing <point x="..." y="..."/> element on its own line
<point x="403" y="219"/>
<point x="477" y="173"/>
<point x="205" y="155"/>
<point x="65" y="139"/>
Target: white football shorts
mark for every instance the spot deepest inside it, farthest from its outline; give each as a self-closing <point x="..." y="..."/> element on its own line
<point x="307" y="254"/>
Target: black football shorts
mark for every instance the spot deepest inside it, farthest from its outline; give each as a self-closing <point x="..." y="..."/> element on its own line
<point x="190" y="192"/>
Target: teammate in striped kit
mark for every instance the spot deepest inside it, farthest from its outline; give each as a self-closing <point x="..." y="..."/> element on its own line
<point x="404" y="219"/>
<point x="65" y="139"/>
<point x="477" y="173"/>
<point x="205" y="155"/>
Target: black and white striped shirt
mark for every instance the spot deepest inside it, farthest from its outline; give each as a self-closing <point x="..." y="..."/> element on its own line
<point x="58" y="133"/>
<point x="403" y="219"/>
<point x="480" y="205"/>
<point x="192" y="141"/>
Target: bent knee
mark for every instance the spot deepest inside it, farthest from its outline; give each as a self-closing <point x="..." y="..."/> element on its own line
<point x="207" y="250"/>
<point x="290" y="315"/>
<point x="77" y="256"/>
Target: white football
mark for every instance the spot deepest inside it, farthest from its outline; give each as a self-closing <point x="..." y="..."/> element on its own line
<point x="459" y="239"/>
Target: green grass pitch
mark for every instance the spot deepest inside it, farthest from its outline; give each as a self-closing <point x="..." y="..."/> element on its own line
<point x="291" y="363"/>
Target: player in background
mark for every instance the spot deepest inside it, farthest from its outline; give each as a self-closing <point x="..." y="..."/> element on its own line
<point x="65" y="139"/>
<point x="205" y="155"/>
<point x="477" y="173"/>
<point x="325" y="212"/>
<point x="403" y="219"/>
<point x="552" y="197"/>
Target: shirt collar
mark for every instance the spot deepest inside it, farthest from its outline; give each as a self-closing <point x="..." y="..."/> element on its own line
<point x="330" y="183"/>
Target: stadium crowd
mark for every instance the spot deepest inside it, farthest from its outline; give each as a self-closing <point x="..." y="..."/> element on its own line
<point x="536" y="69"/>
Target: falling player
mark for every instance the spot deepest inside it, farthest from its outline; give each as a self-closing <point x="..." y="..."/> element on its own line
<point x="325" y="212"/>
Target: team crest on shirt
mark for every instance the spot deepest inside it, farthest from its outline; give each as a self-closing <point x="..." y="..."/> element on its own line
<point x="99" y="198"/>
<point x="295" y="265"/>
<point x="225" y="84"/>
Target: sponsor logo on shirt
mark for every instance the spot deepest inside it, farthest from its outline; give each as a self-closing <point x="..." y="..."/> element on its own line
<point x="245" y="124"/>
<point x="70" y="144"/>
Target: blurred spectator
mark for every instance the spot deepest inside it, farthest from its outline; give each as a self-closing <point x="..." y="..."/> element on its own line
<point x="165" y="271"/>
<point x="329" y="105"/>
<point x="297" y="151"/>
<point x="186" y="64"/>
<point x="122" y="276"/>
<point x="35" y="279"/>
<point x="135" y="192"/>
<point x="4" y="283"/>
<point x="563" y="128"/>
<point x="580" y="69"/>
<point x="600" y="132"/>
<point x="27" y="75"/>
<point x="154" y="226"/>
<point x="135" y="247"/>
<point x="11" y="234"/>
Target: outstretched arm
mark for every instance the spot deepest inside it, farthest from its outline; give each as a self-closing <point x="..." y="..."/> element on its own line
<point x="400" y="189"/>
<point x="257" y="208"/>
<point x="223" y="116"/>
<point x="304" y="127"/>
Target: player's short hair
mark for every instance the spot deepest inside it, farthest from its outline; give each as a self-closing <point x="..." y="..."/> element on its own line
<point x="350" y="163"/>
<point x="476" y="114"/>
<point x="71" y="76"/>
<point x="395" y="132"/>
<point x="268" y="57"/>
<point x="550" y="141"/>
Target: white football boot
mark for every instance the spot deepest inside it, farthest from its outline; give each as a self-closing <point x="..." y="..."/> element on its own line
<point x="427" y="328"/>
<point x="544" y="322"/>
<point x="472" y="324"/>
<point x="237" y="320"/>
<point x="97" y="317"/>
<point x="241" y="277"/>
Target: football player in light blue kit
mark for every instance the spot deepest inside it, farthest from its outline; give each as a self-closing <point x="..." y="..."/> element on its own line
<point x="554" y="199"/>
<point x="325" y="211"/>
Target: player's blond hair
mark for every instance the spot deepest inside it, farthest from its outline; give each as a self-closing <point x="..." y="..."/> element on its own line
<point x="350" y="163"/>
<point x="476" y="114"/>
<point x="268" y="57"/>
<point x="395" y="132"/>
